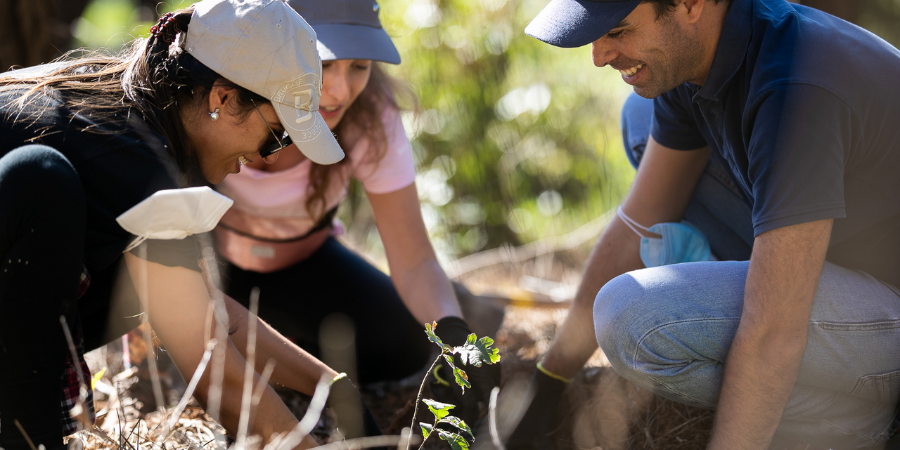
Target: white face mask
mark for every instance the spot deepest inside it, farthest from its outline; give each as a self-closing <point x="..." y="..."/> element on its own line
<point x="174" y="214"/>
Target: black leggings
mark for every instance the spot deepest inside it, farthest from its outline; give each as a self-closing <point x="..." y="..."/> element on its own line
<point x="390" y="343"/>
<point x="42" y="232"/>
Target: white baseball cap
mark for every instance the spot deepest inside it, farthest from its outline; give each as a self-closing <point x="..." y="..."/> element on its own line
<point x="266" y="47"/>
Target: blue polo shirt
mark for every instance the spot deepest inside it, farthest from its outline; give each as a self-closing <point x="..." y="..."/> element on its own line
<point x="805" y="110"/>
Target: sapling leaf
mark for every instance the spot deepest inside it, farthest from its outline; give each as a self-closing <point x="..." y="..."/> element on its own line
<point x="440" y="410"/>
<point x="458" y="423"/>
<point x="489" y="355"/>
<point x="429" y="330"/>
<point x="456" y="441"/>
<point x="458" y="374"/>
<point x="477" y="352"/>
<point x="426" y="429"/>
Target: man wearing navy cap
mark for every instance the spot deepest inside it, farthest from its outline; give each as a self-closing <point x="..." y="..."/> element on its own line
<point x="774" y="133"/>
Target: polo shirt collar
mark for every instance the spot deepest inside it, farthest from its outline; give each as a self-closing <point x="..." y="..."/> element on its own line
<point x="730" y="51"/>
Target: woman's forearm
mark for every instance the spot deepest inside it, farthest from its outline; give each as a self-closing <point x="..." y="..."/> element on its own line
<point x="269" y="418"/>
<point x="294" y="367"/>
<point x="419" y="279"/>
<point x="426" y="291"/>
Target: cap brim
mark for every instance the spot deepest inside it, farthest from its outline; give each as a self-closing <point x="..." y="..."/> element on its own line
<point x="348" y="41"/>
<point x="574" y="23"/>
<point x="310" y="133"/>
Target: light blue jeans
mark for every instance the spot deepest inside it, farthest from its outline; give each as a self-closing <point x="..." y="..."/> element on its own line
<point x="669" y="328"/>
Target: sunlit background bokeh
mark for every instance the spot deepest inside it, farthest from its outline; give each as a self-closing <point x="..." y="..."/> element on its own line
<point x="513" y="139"/>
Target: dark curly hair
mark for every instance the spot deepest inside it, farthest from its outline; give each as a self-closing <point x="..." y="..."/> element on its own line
<point x="153" y="77"/>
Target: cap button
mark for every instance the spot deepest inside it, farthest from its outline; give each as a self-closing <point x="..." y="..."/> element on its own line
<point x="375" y="8"/>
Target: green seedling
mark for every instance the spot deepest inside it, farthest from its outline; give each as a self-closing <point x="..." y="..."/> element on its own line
<point x="474" y="352"/>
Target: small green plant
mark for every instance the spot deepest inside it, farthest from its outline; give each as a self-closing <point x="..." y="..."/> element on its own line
<point x="475" y="352"/>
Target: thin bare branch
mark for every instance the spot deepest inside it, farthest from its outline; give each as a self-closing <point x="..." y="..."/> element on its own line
<point x="145" y="297"/>
<point x="306" y="425"/>
<point x="22" y="430"/>
<point x="78" y="410"/>
<point x="508" y="254"/>
<point x="492" y="423"/>
<point x="405" y="436"/>
<point x="419" y="396"/>
<point x="261" y="385"/>
<point x="220" y="314"/>
<point x="249" y="369"/>
<point x="195" y="379"/>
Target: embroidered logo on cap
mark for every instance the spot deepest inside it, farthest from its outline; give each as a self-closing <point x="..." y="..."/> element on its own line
<point x="298" y="101"/>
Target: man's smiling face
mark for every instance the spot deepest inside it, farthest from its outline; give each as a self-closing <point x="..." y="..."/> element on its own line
<point x="654" y="55"/>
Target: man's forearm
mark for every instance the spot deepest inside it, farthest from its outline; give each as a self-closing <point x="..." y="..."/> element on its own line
<point x="759" y="376"/>
<point x="616" y="253"/>
<point x="765" y="356"/>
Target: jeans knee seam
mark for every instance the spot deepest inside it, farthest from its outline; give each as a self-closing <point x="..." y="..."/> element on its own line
<point x="659" y="327"/>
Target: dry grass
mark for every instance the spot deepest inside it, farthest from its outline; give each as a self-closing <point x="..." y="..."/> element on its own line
<point x="600" y="409"/>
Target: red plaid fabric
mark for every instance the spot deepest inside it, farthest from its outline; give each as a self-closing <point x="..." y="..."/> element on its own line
<point x="71" y="385"/>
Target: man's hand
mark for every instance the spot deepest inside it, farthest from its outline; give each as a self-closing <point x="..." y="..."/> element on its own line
<point x="661" y="192"/>
<point x="540" y="418"/>
<point x="765" y="356"/>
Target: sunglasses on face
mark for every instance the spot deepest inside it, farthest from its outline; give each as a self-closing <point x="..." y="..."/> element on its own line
<point x="269" y="153"/>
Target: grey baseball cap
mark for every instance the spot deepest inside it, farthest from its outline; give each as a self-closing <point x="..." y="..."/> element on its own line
<point x="348" y="29"/>
<point x="266" y="47"/>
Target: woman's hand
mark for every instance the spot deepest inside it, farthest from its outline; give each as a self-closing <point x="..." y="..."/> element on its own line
<point x="176" y="301"/>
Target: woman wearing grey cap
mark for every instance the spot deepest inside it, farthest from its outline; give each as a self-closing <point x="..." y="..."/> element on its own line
<point x="103" y="166"/>
<point x="280" y="235"/>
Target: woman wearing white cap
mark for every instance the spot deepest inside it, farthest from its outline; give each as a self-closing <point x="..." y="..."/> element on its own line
<point x="280" y="235"/>
<point x="93" y="155"/>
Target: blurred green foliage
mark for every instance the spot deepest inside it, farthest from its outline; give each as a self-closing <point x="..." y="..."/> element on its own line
<point x="514" y="139"/>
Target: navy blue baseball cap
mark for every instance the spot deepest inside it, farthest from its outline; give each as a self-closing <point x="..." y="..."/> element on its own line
<point x="348" y="29"/>
<point x="573" y="23"/>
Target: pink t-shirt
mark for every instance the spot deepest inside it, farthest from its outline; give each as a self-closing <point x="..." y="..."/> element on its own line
<point x="272" y="205"/>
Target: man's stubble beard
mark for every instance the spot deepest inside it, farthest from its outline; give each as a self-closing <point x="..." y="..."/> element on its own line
<point x="682" y="57"/>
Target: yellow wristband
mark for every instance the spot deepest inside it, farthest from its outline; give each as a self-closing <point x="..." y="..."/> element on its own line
<point x="552" y="375"/>
<point x="339" y="377"/>
<point x="437" y="377"/>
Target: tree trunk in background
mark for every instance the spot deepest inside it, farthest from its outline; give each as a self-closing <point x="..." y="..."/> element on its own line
<point x="845" y="9"/>
<point x="35" y="31"/>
